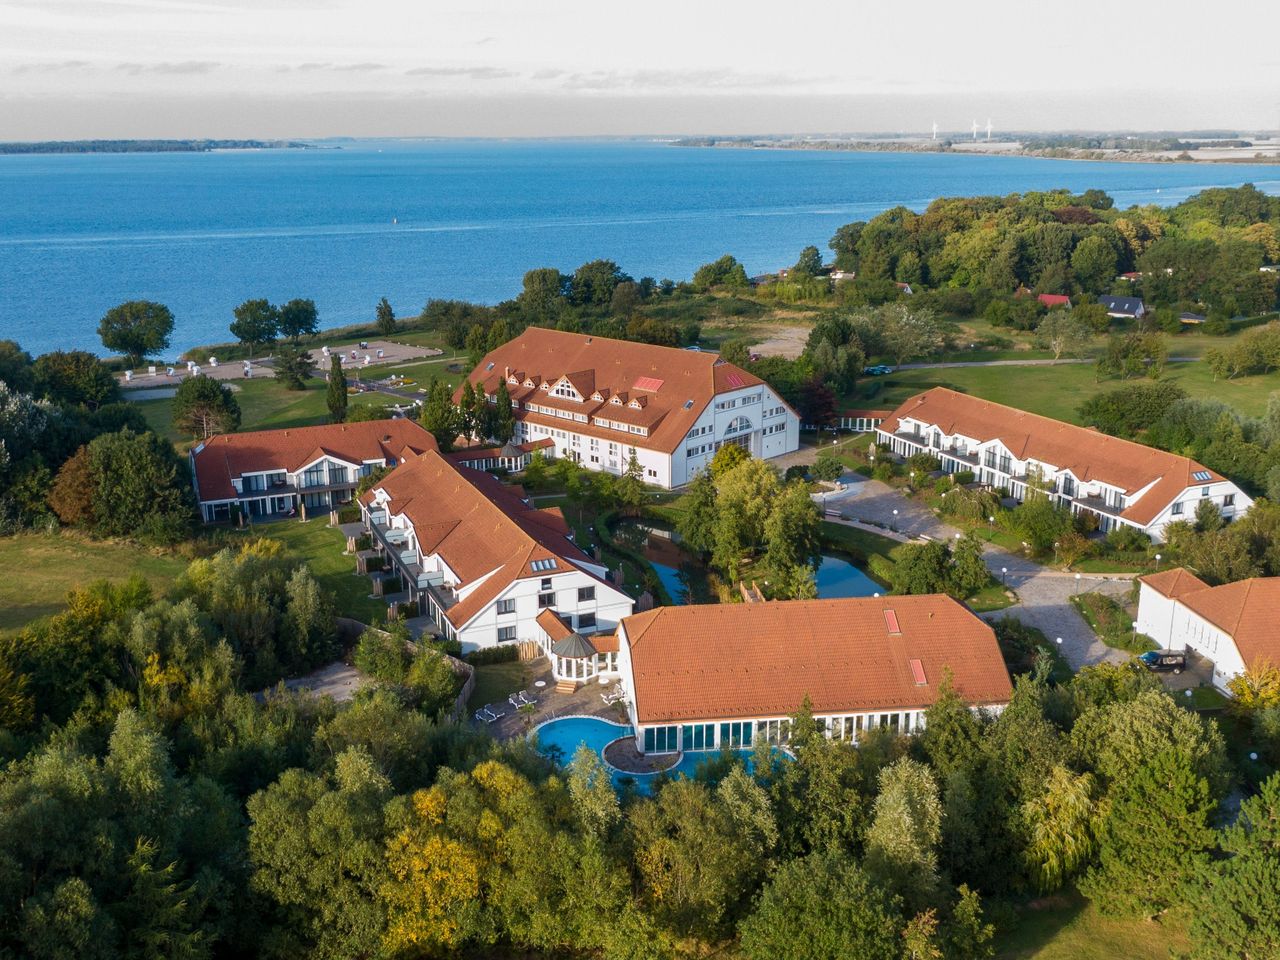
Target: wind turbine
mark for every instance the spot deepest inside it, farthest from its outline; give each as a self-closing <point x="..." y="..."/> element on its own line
<point x="988" y="129"/>
<point x="975" y="129"/>
<point x="935" y="129"/>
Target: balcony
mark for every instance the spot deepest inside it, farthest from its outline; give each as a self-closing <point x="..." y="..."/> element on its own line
<point x="1099" y="505"/>
<point x="326" y="487"/>
<point x="955" y="453"/>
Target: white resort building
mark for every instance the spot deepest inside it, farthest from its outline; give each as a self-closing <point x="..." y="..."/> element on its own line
<point x="1120" y="482"/>
<point x="599" y="399"/>
<point x="726" y="675"/>
<point x="299" y="470"/>
<point x="482" y="562"/>
<point x="1236" y="626"/>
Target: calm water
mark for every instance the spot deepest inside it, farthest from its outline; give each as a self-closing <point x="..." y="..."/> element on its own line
<point x="411" y="221"/>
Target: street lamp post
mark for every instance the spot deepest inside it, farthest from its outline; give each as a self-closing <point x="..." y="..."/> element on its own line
<point x="895" y="521"/>
<point x="1077" y="583"/>
<point x="1004" y="575"/>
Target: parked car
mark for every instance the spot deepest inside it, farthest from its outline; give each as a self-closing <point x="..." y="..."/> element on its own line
<point x="879" y="370"/>
<point x="1162" y="661"/>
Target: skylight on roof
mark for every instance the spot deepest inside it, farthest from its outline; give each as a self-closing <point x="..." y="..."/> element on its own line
<point x="490" y="366"/>
<point x="1201" y="475"/>
<point x="649" y="383"/>
<point x="891" y="622"/>
<point x="539" y="565"/>
<point x="734" y="380"/>
<point x="917" y="673"/>
<point x="688" y="404"/>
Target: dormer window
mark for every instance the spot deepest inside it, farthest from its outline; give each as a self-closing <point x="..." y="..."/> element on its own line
<point x="597" y="397"/>
<point x="634" y="405"/>
<point x="616" y="401"/>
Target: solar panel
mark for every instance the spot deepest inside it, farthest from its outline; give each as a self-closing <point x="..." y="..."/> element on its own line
<point x="1201" y="475"/>
<point x="734" y="380"/>
<point x="651" y="384"/>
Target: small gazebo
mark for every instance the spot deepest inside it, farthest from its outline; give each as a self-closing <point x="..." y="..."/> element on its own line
<point x="575" y="659"/>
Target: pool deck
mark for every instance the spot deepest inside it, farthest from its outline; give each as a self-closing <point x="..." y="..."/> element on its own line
<point x="584" y="701"/>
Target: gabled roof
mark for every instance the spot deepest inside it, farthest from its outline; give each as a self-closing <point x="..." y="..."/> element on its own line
<point x="230" y="455"/>
<point x="720" y="661"/>
<point x="1129" y="305"/>
<point x="1088" y="454"/>
<point x="1054" y="299"/>
<point x="1174" y="583"/>
<point x="1246" y="610"/>
<point x="675" y="385"/>
<point x="479" y="527"/>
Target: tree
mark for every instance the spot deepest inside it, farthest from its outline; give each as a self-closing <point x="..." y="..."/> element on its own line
<point x="467" y="411"/>
<point x="440" y="416"/>
<point x="141" y="488"/>
<point x="1063" y="827"/>
<point x="905" y="829"/>
<point x="138" y="329"/>
<point x="482" y="414"/>
<point x="294" y="366"/>
<point x="625" y="299"/>
<point x="542" y="294"/>
<point x="809" y="264"/>
<point x="256" y="322"/>
<point x="71" y="496"/>
<point x="1237" y="904"/>
<point x="593" y="283"/>
<point x="822" y="907"/>
<point x="922" y="568"/>
<point x="792" y="532"/>
<point x="385" y="319"/>
<point x="696" y="524"/>
<point x="629" y="491"/>
<point x="75" y="377"/>
<point x="1156" y="838"/>
<point x="1094" y="263"/>
<point x="1061" y="333"/>
<point x="16" y="368"/>
<point x="1038" y="520"/>
<point x="968" y="571"/>
<point x="725" y="272"/>
<point x="202" y="406"/>
<point x="909" y="333"/>
<point x="336" y="392"/>
<point x="504" y="420"/>
<point x="595" y="801"/>
<point x="828" y="467"/>
<point x="298" y="318"/>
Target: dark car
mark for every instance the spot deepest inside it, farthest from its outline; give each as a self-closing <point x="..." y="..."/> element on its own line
<point x="879" y="370"/>
<point x="1163" y="661"/>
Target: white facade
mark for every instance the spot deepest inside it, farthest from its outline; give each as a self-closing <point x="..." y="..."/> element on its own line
<point x="323" y="484"/>
<point x="1174" y="626"/>
<point x="992" y="463"/>
<point x="753" y="417"/>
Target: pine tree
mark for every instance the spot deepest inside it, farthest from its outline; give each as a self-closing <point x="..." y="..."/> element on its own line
<point x="504" y="420"/>
<point x="336" y="397"/>
<point x="629" y="490"/>
<point x="440" y="416"/>
<point x="467" y="411"/>
<point x="386" y="321"/>
<point x="482" y="415"/>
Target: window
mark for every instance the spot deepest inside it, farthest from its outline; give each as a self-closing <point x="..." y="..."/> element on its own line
<point x="736" y="734"/>
<point x="1204" y="491"/>
<point x="737" y="425"/>
<point x="546" y="584"/>
<point x="652" y="472"/>
<point x="586" y="621"/>
<point x="1177" y="509"/>
<point x="699" y="736"/>
<point x="661" y="739"/>
<point x="586" y="593"/>
<point x="507" y="606"/>
<point x="546" y="600"/>
<point x="1229" y="500"/>
<point x="506" y="634"/>
<point x="547" y="564"/>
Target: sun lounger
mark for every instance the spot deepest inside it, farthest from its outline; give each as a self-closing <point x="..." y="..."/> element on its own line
<point x="525" y="699"/>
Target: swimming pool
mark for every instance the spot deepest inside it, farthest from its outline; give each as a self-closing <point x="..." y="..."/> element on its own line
<point x="562" y="737"/>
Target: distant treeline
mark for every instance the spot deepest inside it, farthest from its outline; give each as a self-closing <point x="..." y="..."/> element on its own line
<point x="150" y="146"/>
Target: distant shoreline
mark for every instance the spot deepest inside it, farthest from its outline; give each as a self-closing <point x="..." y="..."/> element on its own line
<point x="45" y="147"/>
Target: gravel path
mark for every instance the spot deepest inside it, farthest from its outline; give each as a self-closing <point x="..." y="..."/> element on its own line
<point x="1044" y="595"/>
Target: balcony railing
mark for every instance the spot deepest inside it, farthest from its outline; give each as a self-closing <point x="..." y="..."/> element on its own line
<point x="1099" y="505"/>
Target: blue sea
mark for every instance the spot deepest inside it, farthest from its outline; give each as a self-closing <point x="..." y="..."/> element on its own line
<point x="413" y="220"/>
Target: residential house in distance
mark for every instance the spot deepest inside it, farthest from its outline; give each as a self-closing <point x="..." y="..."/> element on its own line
<point x="711" y="676"/>
<point x="297" y="470"/>
<point x="1126" y="308"/>
<point x="1119" y="482"/>
<point x="1051" y="300"/>
<point x="599" y="399"/>
<point x="480" y="561"/>
<point x="1191" y="319"/>
<point x="1235" y="626"/>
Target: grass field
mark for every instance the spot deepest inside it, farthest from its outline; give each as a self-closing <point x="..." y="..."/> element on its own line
<point x="1058" y="391"/>
<point x="1070" y="928"/>
<point x="40" y="569"/>
<point x="497" y="681"/>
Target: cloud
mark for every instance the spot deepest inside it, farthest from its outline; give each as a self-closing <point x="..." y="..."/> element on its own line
<point x="52" y="66"/>
<point x="183" y="67"/>
<point x="692" y="80"/>
<point x="471" y="73"/>
<point x="484" y="40"/>
<point x="360" y="67"/>
<point x="547" y="74"/>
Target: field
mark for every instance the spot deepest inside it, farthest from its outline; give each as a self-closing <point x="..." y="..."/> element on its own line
<point x="1070" y="928"/>
<point x="40" y="569"/>
<point x="497" y="681"/>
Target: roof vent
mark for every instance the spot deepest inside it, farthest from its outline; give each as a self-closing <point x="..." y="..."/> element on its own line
<point x="891" y="622"/>
<point x="917" y="671"/>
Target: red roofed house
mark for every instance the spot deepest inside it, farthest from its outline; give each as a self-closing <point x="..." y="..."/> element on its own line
<point x="1234" y="625"/>
<point x="1052" y="300"/>
<point x="600" y="399"/>
<point x="267" y="473"/>
<point x="725" y="675"/>
<point x="1118" y="481"/>
<point x="484" y="564"/>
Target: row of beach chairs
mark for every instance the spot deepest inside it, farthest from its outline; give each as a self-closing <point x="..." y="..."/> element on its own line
<point x="517" y="700"/>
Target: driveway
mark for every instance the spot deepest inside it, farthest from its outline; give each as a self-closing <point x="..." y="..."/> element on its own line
<point x="1044" y="595"/>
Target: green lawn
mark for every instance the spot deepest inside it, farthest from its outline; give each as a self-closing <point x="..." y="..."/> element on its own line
<point x="497" y="681"/>
<point x="1070" y="928"/>
<point x="322" y="547"/>
<point x="1057" y="391"/>
<point x="1111" y="622"/>
<point x="41" y="568"/>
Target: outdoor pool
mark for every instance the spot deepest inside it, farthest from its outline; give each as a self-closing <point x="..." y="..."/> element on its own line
<point x="565" y="735"/>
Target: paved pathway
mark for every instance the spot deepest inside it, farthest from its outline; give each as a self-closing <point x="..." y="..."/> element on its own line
<point x="1044" y="595"/>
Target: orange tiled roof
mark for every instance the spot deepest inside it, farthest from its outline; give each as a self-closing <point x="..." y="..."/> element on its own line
<point x="665" y="380"/>
<point x="550" y="621"/>
<point x="1174" y="583"/>
<point x="721" y="661"/>
<point x="478" y="526"/>
<point x="231" y="455"/>
<point x="1088" y="454"/>
<point x="1245" y="610"/>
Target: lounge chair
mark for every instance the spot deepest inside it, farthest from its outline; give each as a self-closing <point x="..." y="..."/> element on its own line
<point x="525" y="699"/>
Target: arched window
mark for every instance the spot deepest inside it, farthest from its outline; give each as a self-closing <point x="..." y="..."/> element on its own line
<point x="737" y="425"/>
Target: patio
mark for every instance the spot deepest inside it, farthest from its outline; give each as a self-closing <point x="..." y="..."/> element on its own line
<point x="584" y="701"/>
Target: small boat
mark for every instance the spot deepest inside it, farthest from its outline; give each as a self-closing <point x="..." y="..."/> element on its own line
<point x="395" y="219"/>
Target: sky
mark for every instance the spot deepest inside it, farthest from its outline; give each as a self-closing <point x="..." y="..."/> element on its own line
<point x="315" y="68"/>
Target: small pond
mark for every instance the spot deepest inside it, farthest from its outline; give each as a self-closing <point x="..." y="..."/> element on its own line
<point x="684" y="578"/>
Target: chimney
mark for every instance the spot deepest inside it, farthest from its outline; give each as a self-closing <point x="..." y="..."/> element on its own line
<point x="506" y="373"/>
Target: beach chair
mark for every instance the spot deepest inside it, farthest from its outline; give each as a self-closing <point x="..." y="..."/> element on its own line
<point x="151" y="371"/>
<point x="128" y="375"/>
<point x="525" y="699"/>
<point x="169" y="372"/>
<point x="213" y="361"/>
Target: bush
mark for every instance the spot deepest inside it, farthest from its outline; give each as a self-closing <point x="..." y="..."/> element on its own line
<point x="391" y="584"/>
<point x="882" y="471"/>
<point x="828" y="467"/>
<point x="923" y="463"/>
<point x="962" y="478"/>
<point x="445" y="645"/>
<point x="1127" y="539"/>
<point x="383" y="654"/>
<point x="349" y="514"/>
<point x="364" y="542"/>
<point x="504" y="653"/>
<point x="374" y="564"/>
<point x="795" y="472"/>
<point x="880" y="567"/>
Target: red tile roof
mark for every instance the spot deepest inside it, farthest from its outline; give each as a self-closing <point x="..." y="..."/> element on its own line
<point x="725" y="661"/>
<point x="230" y="455"/>
<point x="478" y="526"/>
<point x="1088" y="454"/>
<point x="674" y="385"/>
<point x="1248" y="610"/>
<point x="1054" y="299"/>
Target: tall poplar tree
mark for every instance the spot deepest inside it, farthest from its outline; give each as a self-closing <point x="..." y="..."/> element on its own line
<point x="336" y="396"/>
